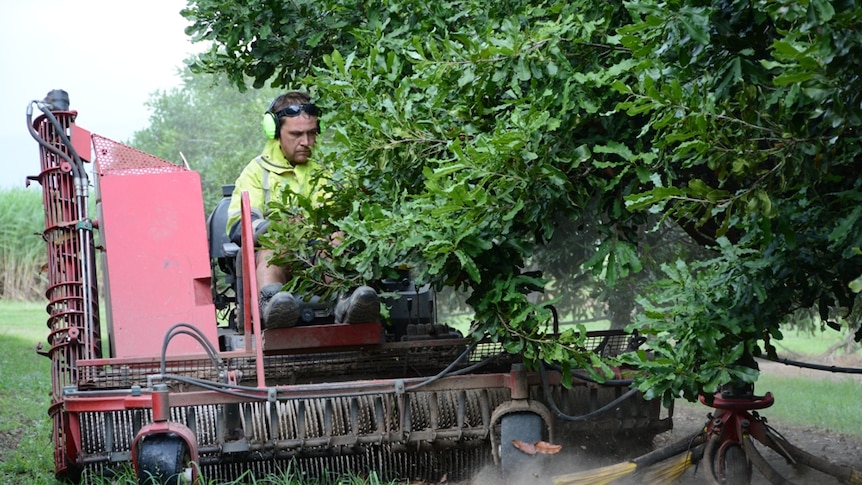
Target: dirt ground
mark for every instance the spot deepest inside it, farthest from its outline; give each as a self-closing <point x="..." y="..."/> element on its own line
<point x="833" y="445"/>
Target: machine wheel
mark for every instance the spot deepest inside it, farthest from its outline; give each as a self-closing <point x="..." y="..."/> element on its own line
<point x="734" y="466"/>
<point x="162" y="459"/>
<point x="514" y="463"/>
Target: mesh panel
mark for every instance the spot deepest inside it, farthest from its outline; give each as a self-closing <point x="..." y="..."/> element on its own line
<point x="387" y="361"/>
<point x="117" y="159"/>
<point x="394" y="360"/>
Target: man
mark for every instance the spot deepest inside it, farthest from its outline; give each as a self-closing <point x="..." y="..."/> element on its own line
<point x="291" y="127"/>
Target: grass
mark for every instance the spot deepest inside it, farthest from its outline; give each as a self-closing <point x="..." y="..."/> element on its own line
<point x="827" y="400"/>
<point x="806" y="343"/>
<point x="290" y="477"/>
<point x="25" y="379"/>
<point x="25" y="387"/>
<point x="826" y="403"/>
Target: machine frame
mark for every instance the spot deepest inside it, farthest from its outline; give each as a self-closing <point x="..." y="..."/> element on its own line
<point x="175" y="394"/>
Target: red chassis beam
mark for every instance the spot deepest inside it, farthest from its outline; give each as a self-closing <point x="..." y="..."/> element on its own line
<point x="104" y="401"/>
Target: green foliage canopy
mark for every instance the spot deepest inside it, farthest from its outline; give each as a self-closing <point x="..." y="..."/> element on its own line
<point x="755" y="111"/>
<point x="462" y="135"/>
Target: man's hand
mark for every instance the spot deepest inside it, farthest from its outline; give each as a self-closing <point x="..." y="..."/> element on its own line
<point x="336" y="238"/>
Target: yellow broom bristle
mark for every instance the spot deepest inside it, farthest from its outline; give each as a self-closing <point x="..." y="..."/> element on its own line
<point x="670" y="471"/>
<point x="597" y="476"/>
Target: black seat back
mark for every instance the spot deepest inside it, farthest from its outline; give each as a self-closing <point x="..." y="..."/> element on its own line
<point x="216" y="225"/>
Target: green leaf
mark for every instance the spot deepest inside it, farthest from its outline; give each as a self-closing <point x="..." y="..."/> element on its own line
<point x="615" y="148"/>
<point x="823" y="10"/>
<point x="657" y="195"/>
<point x="696" y="29"/>
<point x="514" y="346"/>
<point x="596" y="261"/>
<point x="846" y="225"/>
<point x="467" y="77"/>
<point x="793" y="78"/>
<point x="468" y="265"/>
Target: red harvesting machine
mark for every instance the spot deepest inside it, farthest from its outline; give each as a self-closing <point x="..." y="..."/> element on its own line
<point x="163" y="366"/>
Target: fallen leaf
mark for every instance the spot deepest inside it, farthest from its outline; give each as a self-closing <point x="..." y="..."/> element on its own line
<point x="547" y="448"/>
<point x="525" y="447"/>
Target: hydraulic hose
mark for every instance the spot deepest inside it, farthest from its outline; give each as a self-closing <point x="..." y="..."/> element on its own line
<point x="194" y="332"/>
<point x="242" y="391"/>
<point x="565" y="417"/>
<point x="808" y="365"/>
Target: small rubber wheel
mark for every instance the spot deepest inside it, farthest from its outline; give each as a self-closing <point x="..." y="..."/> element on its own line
<point x="162" y="459"/>
<point x="734" y="466"/>
<point x="516" y="465"/>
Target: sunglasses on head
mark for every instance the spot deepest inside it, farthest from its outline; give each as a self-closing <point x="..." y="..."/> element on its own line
<point x="295" y="109"/>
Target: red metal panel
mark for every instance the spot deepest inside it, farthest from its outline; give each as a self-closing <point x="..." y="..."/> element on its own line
<point x="321" y="336"/>
<point x="249" y="289"/>
<point x="156" y="258"/>
<point x="80" y="139"/>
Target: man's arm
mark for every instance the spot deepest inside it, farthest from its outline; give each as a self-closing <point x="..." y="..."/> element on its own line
<point x="250" y="180"/>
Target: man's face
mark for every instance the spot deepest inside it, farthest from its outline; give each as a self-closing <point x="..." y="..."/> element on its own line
<point x="297" y="136"/>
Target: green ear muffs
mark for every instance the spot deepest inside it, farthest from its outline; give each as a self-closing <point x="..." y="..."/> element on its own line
<point x="270" y="125"/>
<point x="269" y="122"/>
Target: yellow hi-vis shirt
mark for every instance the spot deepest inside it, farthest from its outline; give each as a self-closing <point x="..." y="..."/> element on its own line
<point x="264" y="178"/>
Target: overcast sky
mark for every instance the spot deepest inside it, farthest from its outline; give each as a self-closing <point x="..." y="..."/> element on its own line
<point x="109" y="55"/>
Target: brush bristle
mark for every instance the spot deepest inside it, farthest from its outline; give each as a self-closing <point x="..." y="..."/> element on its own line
<point x="597" y="476"/>
<point x="669" y="471"/>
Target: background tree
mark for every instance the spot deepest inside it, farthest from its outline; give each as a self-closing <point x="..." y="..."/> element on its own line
<point x="466" y="134"/>
<point x="210" y="123"/>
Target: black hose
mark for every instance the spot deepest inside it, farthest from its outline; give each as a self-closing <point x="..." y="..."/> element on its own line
<point x="445" y="371"/>
<point x="77" y="164"/>
<point x="808" y="365"/>
<point x="586" y="378"/>
<point x="41" y="141"/>
<point x="195" y="334"/>
<point x="474" y="366"/>
<point x="232" y="389"/>
<point x="565" y="417"/>
<point x="216" y="386"/>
